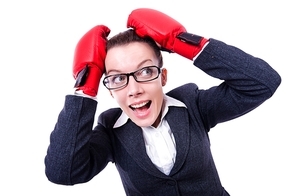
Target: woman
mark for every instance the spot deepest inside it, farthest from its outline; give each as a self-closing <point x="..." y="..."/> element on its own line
<point x="159" y="142"/>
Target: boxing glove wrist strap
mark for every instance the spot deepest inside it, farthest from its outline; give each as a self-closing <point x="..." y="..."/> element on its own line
<point x="189" y="45"/>
<point x="88" y="80"/>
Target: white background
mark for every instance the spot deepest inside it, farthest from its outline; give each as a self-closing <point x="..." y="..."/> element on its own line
<point x="255" y="154"/>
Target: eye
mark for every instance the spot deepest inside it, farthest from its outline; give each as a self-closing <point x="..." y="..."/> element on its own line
<point x="118" y="79"/>
<point x="145" y="72"/>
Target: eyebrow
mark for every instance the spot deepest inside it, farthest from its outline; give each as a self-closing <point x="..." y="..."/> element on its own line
<point x="138" y="66"/>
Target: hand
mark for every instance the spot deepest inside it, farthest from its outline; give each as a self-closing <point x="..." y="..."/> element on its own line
<point x="165" y="31"/>
<point x="89" y="60"/>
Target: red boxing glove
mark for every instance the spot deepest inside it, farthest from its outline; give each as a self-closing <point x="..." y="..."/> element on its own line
<point x="166" y="31"/>
<point x="89" y="60"/>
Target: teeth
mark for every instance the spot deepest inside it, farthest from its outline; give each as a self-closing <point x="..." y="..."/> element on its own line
<point x="139" y="105"/>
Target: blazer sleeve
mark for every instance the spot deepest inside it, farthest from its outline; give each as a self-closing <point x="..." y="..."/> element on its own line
<point x="247" y="81"/>
<point x="76" y="153"/>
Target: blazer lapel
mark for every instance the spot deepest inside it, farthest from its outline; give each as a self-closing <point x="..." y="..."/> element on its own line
<point x="131" y="137"/>
<point x="178" y="120"/>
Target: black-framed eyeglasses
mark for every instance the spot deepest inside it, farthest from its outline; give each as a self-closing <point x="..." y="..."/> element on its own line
<point x="144" y="74"/>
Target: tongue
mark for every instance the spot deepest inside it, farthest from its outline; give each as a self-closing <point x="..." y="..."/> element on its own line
<point x="142" y="110"/>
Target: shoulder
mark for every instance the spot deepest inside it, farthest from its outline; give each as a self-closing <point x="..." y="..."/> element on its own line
<point x="184" y="92"/>
<point x="109" y="117"/>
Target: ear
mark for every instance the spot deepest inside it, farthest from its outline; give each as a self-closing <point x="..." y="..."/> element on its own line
<point x="163" y="77"/>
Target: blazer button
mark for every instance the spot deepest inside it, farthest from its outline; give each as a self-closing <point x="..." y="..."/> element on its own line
<point x="171" y="183"/>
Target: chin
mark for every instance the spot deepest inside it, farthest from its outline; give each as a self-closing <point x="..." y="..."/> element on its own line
<point x="143" y="123"/>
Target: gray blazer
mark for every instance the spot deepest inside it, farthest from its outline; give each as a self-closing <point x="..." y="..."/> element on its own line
<point x="77" y="151"/>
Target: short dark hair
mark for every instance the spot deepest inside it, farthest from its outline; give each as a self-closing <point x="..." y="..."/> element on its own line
<point x="130" y="36"/>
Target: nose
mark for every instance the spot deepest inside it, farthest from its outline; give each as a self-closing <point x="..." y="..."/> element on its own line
<point x="134" y="87"/>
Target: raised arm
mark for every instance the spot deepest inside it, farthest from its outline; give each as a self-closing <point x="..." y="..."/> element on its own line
<point x="71" y="156"/>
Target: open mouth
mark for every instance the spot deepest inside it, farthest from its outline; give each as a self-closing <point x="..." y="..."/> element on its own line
<point x="141" y="106"/>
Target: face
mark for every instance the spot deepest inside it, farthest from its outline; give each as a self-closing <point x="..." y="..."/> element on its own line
<point x="142" y="102"/>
